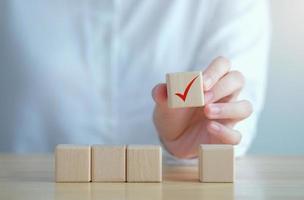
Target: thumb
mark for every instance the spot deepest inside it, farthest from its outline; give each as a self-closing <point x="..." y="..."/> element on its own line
<point x="160" y="97"/>
<point x="159" y="94"/>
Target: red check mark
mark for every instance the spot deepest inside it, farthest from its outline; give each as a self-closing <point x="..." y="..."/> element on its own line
<point x="184" y="96"/>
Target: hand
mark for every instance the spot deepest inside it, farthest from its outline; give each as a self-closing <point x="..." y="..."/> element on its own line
<point x="183" y="129"/>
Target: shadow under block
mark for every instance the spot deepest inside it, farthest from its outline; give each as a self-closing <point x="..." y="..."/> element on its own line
<point x="73" y="163"/>
<point x="144" y="163"/>
<point x="108" y="163"/>
<point x="185" y="89"/>
<point x="216" y="163"/>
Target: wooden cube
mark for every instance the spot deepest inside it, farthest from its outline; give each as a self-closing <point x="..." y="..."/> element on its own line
<point x="185" y="89"/>
<point x="144" y="163"/>
<point x="108" y="163"/>
<point x="216" y="163"/>
<point x="73" y="163"/>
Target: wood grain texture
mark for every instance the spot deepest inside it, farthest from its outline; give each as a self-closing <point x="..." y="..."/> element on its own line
<point x="108" y="163"/>
<point x="72" y="163"/>
<point x="216" y="163"/>
<point x="31" y="176"/>
<point x="177" y="84"/>
<point x="144" y="163"/>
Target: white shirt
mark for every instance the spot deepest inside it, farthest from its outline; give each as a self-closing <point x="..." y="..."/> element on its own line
<point x="82" y="71"/>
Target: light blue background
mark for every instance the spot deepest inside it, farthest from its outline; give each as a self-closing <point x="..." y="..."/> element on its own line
<point x="280" y="129"/>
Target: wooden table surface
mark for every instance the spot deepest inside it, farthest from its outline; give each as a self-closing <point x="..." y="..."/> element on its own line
<point x="32" y="177"/>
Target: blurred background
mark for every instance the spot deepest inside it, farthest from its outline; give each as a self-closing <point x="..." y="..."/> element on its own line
<point x="280" y="129"/>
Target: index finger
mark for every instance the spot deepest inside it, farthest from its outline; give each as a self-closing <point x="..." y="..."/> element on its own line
<point x="215" y="71"/>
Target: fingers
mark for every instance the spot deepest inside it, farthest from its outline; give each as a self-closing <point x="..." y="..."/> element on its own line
<point x="215" y="71"/>
<point x="233" y="110"/>
<point x="231" y="83"/>
<point x="224" y="134"/>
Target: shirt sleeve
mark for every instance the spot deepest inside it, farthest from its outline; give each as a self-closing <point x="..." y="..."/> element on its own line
<point x="240" y="31"/>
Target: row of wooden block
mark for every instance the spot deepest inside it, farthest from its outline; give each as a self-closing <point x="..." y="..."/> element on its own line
<point x="105" y="163"/>
<point x="135" y="163"/>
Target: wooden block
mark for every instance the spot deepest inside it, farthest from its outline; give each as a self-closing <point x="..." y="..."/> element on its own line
<point x="144" y="163"/>
<point x="73" y="163"/>
<point x="216" y="163"/>
<point x="185" y="89"/>
<point x="109" y="163"/>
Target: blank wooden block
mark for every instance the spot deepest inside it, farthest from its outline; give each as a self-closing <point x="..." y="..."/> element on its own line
<point x="216" y="163"/>
<point x="185" y="89"/>
<point x="108" y="163"/>
<point x="144" y="163"/>
<point x="73" y="163"/>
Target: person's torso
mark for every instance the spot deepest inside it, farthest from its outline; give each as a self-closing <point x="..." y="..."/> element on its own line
<point x="82" y="72"/>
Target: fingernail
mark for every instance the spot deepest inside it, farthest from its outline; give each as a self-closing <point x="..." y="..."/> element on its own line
<point x="207" y="83"/>
<point x="215" y="126"/>
<point x="213" y="109"/>
<point x="208" y="97"/>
